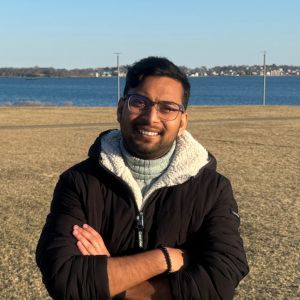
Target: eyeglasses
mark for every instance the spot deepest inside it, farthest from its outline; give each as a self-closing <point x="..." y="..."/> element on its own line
<point x="166" y="110"/>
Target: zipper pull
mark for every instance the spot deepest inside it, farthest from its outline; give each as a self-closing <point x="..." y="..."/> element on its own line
<point x="140" y="228"/>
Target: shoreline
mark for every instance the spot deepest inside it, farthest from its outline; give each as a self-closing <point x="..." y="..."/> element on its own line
<point x="39" y="105"/>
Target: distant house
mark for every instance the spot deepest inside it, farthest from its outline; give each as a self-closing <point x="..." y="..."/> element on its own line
<point x="106" y="74"/>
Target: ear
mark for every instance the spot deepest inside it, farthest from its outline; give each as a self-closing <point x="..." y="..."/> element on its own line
<point x="183" y="123"/>
<point x="120" y="109"/>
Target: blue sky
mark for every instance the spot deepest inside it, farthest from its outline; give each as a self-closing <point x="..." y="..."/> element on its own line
<point x="79" y="34"/>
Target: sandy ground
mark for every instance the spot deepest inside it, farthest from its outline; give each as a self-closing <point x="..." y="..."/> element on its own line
<point x="257" y="148"/>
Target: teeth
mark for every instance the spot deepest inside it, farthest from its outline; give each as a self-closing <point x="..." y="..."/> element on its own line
<point x="148" y="133"/>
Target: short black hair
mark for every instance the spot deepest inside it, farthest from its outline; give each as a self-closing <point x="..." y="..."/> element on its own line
<point x="156" y="66"/>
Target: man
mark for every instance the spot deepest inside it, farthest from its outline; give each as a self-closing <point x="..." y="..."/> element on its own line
<point x="146" y="216"/>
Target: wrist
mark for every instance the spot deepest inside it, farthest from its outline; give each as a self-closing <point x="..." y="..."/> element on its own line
<point x="167" y="258"/>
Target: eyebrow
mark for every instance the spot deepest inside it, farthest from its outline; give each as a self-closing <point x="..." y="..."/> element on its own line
<point x="159" y="100"/>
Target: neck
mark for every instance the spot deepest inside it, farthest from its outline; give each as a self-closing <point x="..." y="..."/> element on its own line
<point x="146" y="171"/>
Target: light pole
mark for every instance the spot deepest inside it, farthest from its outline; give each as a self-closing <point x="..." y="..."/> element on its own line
<point x="118" y="54"/>
<point x="265" y="77"/>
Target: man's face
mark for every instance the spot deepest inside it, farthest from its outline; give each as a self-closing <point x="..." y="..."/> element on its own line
<point x="145" y="135"/>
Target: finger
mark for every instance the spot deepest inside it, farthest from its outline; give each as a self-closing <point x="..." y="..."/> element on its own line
<point x="93" y="237"/>
<point x="85" y="241"/>
<point x="97" y="241"/>
<point x="84" y="233"/>
<point x="91" y="230"/>
<point x="89" y="236"/>
<point x="88" y="246"/>
<point x="82" y="249"/>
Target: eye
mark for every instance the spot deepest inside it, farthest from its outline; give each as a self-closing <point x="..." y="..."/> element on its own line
<point x="137" y="101"/>
<point x="166" y="107"/>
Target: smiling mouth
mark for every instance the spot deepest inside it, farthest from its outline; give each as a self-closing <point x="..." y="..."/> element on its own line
<point x="147" y="133"/>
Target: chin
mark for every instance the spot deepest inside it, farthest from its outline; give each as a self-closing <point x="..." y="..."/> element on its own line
<point x="144" y="152"/>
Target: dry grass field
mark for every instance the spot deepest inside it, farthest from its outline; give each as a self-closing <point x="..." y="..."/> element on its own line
<point x="257" y="148"/>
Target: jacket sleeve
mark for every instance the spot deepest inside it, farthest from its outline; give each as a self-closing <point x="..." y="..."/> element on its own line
<point x="66" y="273"/>
<point x="217" y="260"/>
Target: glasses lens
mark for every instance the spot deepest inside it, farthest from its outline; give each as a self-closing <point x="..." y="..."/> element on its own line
<point x="166" y="110"/>
<point x="136" y="103"/>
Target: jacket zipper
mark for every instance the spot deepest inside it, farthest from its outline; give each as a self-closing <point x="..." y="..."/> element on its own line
<point x="140" y="229"/>
<point x="140" y="216"/>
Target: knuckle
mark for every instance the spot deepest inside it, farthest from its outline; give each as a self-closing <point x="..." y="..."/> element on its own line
<point x="89" y="247"/>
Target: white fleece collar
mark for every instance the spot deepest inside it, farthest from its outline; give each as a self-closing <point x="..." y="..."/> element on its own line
<point x="189" y="157"/>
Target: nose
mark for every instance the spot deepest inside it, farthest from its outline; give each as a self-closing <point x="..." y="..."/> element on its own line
<point x="151" y="114"/>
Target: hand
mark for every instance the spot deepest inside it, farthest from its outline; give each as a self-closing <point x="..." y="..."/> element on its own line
<point x="90" y="241"/>
<point x="155" y="288"/>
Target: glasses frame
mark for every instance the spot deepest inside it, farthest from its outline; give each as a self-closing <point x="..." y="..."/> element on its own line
<point x="155" y="103"/>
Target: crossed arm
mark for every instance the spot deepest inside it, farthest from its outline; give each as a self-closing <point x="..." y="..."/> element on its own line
<point x="216" y="251"/>
<point x="135" y="274"/>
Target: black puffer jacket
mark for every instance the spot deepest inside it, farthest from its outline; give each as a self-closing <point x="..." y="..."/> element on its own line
<point x="199" y="215"/>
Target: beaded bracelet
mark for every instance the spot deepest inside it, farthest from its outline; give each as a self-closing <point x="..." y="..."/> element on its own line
<point x="167" y="258"/>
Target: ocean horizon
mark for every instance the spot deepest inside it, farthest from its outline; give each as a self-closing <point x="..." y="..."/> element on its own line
<point x="213" y="90"/>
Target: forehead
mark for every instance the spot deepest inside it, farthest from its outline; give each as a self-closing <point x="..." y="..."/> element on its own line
<point x="160" y="88"/>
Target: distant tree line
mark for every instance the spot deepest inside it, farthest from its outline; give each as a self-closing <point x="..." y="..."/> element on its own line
<point x="52" y="72"/>
<point x="243" y="70"/>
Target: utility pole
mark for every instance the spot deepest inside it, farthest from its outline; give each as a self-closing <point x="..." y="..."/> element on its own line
<point x="118" y="54"/>
<point x="265" y="77"/>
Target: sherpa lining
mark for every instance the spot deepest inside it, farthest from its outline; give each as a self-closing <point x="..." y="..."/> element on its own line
<point x="189" y="157"/>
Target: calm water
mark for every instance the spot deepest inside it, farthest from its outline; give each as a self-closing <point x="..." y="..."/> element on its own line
<point x="103" y="91"/>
